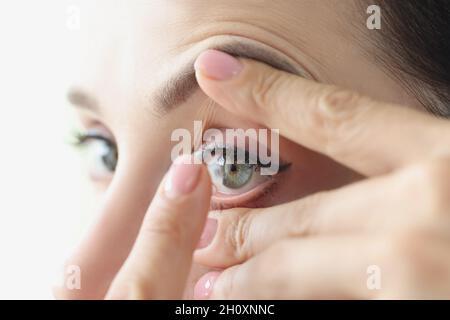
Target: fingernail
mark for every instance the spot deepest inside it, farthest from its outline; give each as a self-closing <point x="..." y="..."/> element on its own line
<point x="204" y="287"/>
<point x="209" y="231"/>
<point x="183" y="177"/>
<point x="218" y="65"/>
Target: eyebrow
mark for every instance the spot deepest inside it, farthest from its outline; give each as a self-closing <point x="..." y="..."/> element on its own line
<point x="183" y="84"/>
<point x="82" y="99"/>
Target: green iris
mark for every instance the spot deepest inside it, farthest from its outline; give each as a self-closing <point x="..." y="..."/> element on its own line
<point x="235" y="176"/>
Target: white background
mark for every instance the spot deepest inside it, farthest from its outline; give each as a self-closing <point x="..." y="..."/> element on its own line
<point x="42" y="187"/>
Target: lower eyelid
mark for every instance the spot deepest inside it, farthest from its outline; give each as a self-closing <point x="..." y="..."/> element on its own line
<point x="247" y="199"/>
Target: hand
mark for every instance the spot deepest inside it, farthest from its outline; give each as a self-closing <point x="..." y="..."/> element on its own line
<point x="322" y="246"/>
<point x="161" y="258"/>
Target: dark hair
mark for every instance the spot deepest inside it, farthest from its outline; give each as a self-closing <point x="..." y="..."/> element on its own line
<point x="414" y="44"/>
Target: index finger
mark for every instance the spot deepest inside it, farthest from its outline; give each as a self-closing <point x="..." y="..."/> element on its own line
<point x="355" y="130"/>
<point x="160" y="261"/>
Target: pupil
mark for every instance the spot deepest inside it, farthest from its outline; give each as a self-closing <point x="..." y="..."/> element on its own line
<point x="235" y="176"/>
<point x="110" y="159"/>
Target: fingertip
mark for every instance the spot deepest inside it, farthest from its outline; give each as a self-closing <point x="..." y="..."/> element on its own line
<point x="217" y="65"/>
<point x="182" y="179"/>
<point x="204" y="287"/>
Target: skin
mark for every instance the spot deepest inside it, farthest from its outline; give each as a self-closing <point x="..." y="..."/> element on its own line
<point x="132" y="49"/>
<point x="396" y="219"/>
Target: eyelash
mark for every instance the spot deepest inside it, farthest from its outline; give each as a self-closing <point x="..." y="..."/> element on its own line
<point x="82" y="138"/>
<point x="267" y="188"/>
<point x="104" y="159"/>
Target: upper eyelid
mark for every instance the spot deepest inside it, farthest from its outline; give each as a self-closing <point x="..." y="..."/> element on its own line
<point x="85" y="137"/>
<point x="99" y="129"/>
<point x="283" y="164"/>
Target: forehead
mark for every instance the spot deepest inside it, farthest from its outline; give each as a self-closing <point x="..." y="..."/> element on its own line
<point x="131" y="46"/>
<point x="153" y="31"/>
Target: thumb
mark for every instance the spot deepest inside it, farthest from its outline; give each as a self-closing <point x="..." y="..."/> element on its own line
<point x="160" y="261"/>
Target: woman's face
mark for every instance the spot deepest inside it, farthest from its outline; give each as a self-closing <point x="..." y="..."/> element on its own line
<point x="138" y="86"/>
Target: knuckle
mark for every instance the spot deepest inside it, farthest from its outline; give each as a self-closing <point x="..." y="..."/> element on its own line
<point x="336" y="99"/>
<point x="335" y="114"/>
<point x="237" y="236"/>
<point x="431" y="184"/>
<point x="336" y="106"/>
<point x="405" y="253"/>
<point x="305" y="215"/>
<point x="266" y="89"/>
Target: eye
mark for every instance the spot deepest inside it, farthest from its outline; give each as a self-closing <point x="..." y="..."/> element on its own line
<point x="236" y="184"/>
<point x="100" y="153"/>
<point x="235" y="176"/>
<point x="230" y="177"/>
